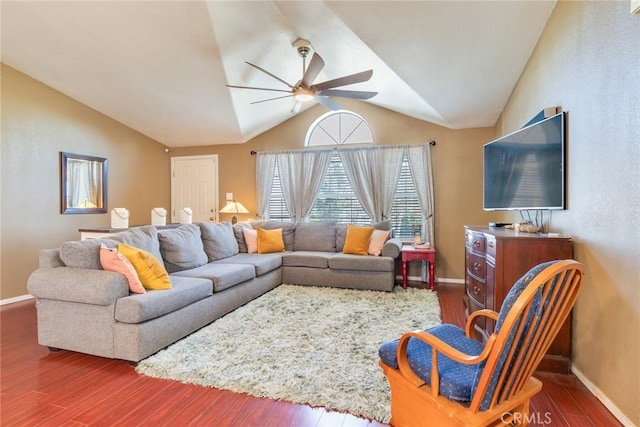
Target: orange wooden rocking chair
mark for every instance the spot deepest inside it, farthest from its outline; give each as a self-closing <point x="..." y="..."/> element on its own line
<point x="443" y="377"/>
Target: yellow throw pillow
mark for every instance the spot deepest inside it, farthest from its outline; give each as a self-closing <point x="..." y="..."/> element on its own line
<point x="378" y="239"/>
<point x="270" y="240"/>
<point x="151" y="273"/>
<point x="357" y="240"/>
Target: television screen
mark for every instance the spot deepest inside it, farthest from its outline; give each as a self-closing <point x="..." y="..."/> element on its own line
<point x="525" y="169"/>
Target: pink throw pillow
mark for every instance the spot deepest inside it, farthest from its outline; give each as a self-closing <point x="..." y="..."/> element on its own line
<point x="378" y="239"/>
<point x="112" y="260"/>
<point x="251" y="239"/>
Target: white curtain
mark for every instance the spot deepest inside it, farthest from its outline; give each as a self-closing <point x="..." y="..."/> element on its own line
<point x="84" y="179"/>
<point x="373" y="174"/>
<point x="388" y="166"/>
<point x="419" y="157"/>
<point x="358" y="166"/>
<point x="265" y="168"/>
<point x="301" y="175"/>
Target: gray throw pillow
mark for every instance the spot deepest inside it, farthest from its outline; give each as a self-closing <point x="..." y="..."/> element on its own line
<point x="84" y="253"/>
<point x="219" y="240"/>
<point x="288" y="231"/>
<point x="182" y="248"/>
<point x="315" y="236"/>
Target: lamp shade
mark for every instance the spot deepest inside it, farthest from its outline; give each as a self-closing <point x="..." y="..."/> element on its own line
<point x="234" y="207"/>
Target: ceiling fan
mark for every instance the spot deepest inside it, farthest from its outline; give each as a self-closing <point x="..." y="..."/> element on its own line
<point x="305" y="91"/>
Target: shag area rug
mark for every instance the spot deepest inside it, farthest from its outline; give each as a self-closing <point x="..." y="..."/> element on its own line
<point x="302" y="344"/>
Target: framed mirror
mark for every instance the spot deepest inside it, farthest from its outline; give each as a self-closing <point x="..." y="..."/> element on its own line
<point x="83" y="184"/>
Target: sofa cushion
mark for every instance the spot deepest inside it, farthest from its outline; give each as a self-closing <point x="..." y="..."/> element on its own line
<point x="269" y="241"/>
<point x="182" y="248"/>
<point x="288" y="231"/>
<point x="150" y="271"/>
<point x="153" y="304"/>
<point x="307" y="259"/>
<point x="222" y="275"/>
<point x="219" y="240"/>
<point x="145" y="238"/>
<point x="263" y="263"/>
<point x="340" y="261"/>
<point x="357" y="240"/>
<point x="315" y="236"/>
<point x="84" y="253"/>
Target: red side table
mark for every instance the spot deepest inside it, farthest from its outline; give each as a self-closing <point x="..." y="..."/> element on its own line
<point x="409" y="253"/>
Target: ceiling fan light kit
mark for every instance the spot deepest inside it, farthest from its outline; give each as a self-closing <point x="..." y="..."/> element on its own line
<point x="304" y="90"/>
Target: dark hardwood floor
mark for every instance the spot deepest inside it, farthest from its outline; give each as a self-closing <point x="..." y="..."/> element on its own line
<point x="72" y="389"/>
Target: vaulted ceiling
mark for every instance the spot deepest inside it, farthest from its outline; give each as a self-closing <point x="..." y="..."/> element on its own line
<point x="160" y="67"/>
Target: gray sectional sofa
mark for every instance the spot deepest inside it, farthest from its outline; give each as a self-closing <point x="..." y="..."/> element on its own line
<point x="83" y="308"/>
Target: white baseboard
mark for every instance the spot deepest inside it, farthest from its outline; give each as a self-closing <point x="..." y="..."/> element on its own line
<point x="15" y="299"/>
<point x="602" y="398"/>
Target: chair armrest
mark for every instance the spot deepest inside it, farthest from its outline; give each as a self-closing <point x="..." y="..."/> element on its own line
<point x="437" y="346"/>
<point x="472" y="319"/>
<point x="392" y="248"/>
<point x="98" y="287"/>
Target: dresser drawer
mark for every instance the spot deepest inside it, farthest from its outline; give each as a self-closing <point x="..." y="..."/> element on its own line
<point x="491" y="246"/>
<point x="477" y="292"/>
<point x="476" y="242"/>
<point x="477" y="266"/>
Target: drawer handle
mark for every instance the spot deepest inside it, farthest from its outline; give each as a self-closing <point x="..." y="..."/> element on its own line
<point x="490" y="243"/>
<point x="476" y="266"/>
<point x="476" y="289"/>
<point x="476" y="243"/>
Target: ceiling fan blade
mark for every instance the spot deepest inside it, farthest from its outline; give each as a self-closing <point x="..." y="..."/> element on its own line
<point x="297" y="106"/>
<point x="269" y="74"/>
<point x="259" y="88"/>
<point x="271" y="99"/>
<point x="315" y="66"/>
<point x="356" y="94"/>
<point x="362" y="76"/>
<point x="328" y="103"/>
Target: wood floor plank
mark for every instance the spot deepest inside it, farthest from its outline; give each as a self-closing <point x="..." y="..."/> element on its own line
<point x="73" y="389"/>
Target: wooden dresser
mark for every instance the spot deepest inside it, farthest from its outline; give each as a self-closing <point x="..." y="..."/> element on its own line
<point x="495" y="258"/>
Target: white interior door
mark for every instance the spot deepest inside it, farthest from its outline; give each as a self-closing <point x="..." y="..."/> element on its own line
<point x="194" y="184"/>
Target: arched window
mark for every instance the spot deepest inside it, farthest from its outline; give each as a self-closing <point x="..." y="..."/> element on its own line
<point x="339" y="127"/>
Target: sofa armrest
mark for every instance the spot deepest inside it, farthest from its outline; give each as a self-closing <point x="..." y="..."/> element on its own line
<point x="392" y="248"/>
<point x="96" y="287"/>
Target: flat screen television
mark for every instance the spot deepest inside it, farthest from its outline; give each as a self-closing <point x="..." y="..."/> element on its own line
<point x="526" y="169"/>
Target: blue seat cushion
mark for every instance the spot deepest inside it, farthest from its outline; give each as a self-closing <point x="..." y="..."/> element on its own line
<point x="456" y="379"/>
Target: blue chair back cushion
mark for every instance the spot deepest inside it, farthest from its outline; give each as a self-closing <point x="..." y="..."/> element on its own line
<point x="456" y="379"/>
<point x="507" y="304"/>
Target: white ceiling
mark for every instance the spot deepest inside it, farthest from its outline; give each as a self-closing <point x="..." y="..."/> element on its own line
<point x="160" y="67"/>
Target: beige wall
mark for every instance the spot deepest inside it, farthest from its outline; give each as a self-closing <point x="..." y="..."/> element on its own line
<point x="39" y="122"/>
<point x="456" y="160"/>
<point x="588" y="62"/>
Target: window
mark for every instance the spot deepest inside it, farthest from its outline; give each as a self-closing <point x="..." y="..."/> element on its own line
<point x="406" y="215"/>
<point x="277" y="207"/>
<point x="336" y="200"/>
